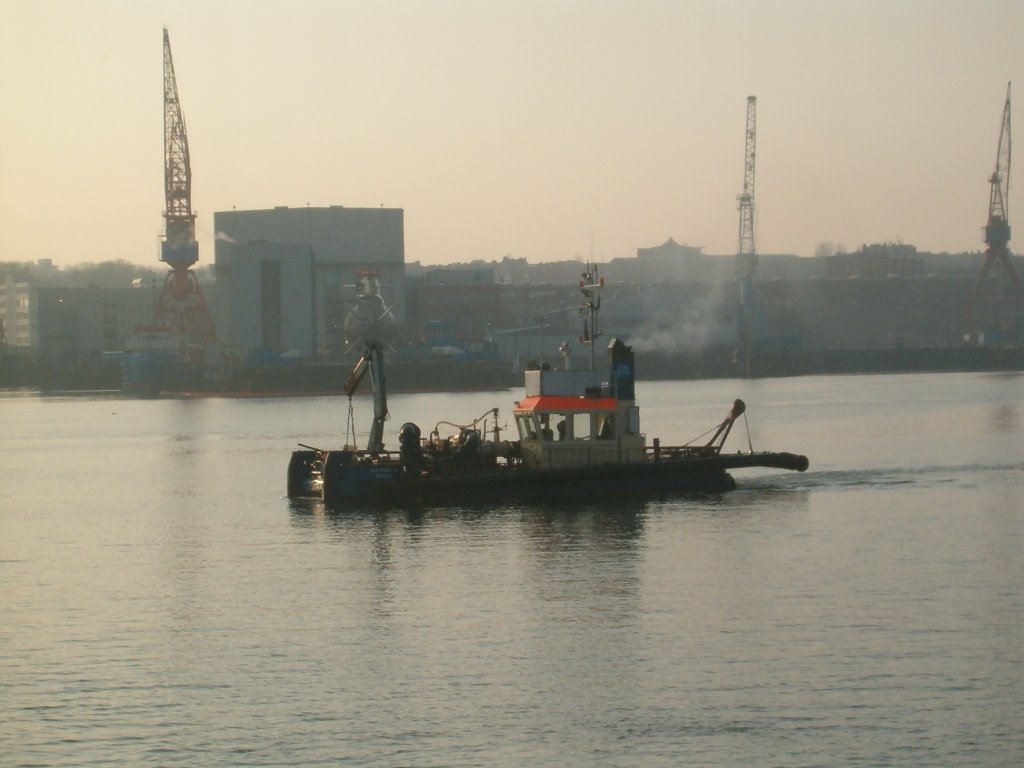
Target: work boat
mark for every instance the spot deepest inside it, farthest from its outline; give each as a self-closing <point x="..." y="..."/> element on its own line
<point x="577" y="436"/>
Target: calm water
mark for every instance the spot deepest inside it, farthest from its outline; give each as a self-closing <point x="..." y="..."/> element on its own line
<point x="164" y="604"/>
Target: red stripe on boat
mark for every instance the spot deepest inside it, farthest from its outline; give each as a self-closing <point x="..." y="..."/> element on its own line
<point x="566" y="404"/>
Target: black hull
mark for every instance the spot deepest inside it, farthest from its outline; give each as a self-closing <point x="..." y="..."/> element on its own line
<point x="340" y="481"/>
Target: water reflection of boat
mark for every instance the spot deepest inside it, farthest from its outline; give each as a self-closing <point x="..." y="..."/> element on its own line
<point x="577" y="435"/>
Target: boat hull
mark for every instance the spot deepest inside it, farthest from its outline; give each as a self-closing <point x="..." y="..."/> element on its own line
<point x="341" y="478"/>
<point x="149" y="373"/>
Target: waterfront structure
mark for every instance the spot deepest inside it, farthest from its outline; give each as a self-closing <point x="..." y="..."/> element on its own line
<point x="270" y="297"/>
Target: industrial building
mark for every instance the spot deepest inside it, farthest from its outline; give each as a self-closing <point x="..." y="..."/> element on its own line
<point x="269" y="298"/>
<point x="286" y="276"/>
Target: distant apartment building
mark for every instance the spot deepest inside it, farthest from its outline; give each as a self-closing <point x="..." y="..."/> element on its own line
<point x="15" y="300"/>
<point x="57" y="323"/>
<point x="286" y="276"/>
<point x="62" y="322"/>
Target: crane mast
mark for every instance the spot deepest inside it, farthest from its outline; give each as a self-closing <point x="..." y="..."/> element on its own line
<point x="180" y="245"/>
<point x="745" y="248"/>
<point x="997" y="231"/>
<point x="180" y="309"/>
<point x="746" y="256"/>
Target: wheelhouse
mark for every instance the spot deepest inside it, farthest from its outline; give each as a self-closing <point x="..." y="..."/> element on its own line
<point x="574" y="418"/>
<point x="568" y="419"/>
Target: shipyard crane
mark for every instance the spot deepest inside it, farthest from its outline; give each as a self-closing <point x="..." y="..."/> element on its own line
<point x="180" y="308"/>
<point x="997" y="230"/>
<point x="746" y="255"/>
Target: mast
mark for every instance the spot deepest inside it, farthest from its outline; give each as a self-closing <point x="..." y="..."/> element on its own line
<point x="590" y="287"/>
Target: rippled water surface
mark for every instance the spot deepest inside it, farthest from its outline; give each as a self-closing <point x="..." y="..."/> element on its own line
<point x="164" y="604"/>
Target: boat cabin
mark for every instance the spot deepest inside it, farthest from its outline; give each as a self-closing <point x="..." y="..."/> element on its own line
<point x="581" y="418"/>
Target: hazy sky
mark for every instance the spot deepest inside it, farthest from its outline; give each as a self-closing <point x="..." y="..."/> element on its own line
<point x="522" y="127"/>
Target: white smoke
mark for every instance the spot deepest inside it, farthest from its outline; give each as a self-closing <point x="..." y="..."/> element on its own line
<point x="685" y="324"/>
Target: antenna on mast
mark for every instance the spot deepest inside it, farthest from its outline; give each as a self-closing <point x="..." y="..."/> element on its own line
<point x="590" y="286"/>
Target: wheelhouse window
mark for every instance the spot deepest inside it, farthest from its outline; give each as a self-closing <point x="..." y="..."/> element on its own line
<point x="547" y="434"/>
<point x="570" y="426"/>
<point x="527" y="426"/>
<point x="604" y="426"/>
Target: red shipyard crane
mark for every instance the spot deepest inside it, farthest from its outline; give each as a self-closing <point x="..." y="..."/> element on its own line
<point x="180" y="309"/>
<point x="997" y="230"/>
